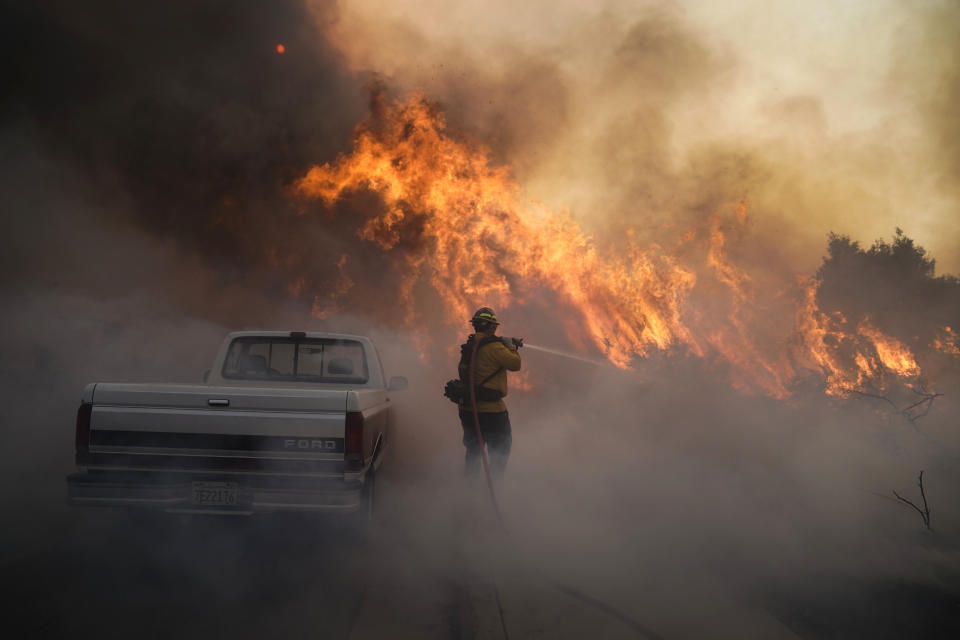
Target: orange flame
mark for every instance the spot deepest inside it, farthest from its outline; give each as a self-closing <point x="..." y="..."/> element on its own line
<point x="892" y="354"/>
<point x="948" y="342"/>
<point x="849" y="360"/>
<point x="734" y="343"/>
<point x="481" y="237"/>
<point x="465" y="230"/>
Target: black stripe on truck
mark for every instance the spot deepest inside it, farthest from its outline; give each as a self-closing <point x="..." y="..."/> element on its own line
<point x="222" y="442"/>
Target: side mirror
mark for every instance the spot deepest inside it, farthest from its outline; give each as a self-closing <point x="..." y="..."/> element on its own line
<point x="206" y="375"/>
<point x="397" y="383"/>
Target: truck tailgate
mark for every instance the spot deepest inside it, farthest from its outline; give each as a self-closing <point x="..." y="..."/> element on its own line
<point x="184" y="420"/>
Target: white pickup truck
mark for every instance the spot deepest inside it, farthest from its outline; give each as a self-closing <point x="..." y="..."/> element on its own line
<point x="284" y="421"/>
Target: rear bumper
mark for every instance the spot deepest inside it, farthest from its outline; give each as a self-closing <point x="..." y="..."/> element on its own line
<point x="260" y="495"/>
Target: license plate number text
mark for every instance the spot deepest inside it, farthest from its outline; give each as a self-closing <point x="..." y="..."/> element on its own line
<point x="215" y="493"/>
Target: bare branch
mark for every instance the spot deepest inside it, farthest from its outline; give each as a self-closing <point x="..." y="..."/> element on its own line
<point x="882" y="496"/>
<point x="907" y="413"/>
<point x="902" y="499"/>
<point x="926" y="507"/>
<point x="925" y="512"/>
<point x="876" y="396"/>
<point x="926" y="402"/>
<point x="927" y="399"/>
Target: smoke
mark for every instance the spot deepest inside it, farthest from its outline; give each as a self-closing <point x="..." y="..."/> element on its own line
<point x="183" y="121"/>
<point x="649" y="115"/>
<point x="687" y="494"/>
<point x="127" y="136"/>
<point x="653" y="119"/>
<point x="147" y="159"/>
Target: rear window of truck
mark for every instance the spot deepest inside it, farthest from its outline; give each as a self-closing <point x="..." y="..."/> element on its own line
<point x="296" y="360"/>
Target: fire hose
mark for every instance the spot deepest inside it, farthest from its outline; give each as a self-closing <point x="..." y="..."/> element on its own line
<point x="480" y="442"/>
<point x="638" y="627"/>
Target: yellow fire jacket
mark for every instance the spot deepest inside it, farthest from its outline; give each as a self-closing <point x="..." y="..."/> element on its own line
<point x="491" y="357"/>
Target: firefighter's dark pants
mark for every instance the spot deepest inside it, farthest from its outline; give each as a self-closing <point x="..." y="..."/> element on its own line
<point x="495" y="428"/>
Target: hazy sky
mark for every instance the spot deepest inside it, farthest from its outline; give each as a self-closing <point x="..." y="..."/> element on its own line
<point x="837" y="111"/>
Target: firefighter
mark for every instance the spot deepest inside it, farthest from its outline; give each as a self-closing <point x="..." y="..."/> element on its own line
<point x="494" y="357"/>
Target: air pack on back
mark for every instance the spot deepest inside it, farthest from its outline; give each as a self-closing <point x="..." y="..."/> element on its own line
<point x="456" y="390"/>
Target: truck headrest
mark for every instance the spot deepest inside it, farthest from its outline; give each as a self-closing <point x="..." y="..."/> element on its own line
<point x="340" y="366"/>
<point x="253" y="364"/>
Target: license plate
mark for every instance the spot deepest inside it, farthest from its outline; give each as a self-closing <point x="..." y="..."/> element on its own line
<point x="215" y="493"/>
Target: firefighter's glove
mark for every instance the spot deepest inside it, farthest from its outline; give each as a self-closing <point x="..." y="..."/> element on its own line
<point x="512" y="343"/>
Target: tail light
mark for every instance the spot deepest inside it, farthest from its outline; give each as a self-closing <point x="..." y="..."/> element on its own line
<point x="83" y="427"/>
<point x="353" y="438"/>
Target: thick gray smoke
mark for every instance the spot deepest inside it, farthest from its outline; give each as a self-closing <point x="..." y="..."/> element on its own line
<point x="146" y="153"/>
<point x="144" y="157"/>
<point x="651" y="115"/>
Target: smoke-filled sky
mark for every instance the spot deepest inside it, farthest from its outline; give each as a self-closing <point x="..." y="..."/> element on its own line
<point x="826" y="116"/>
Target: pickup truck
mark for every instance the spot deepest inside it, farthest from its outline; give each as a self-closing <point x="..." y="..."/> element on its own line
<point x="284" y="421"/>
